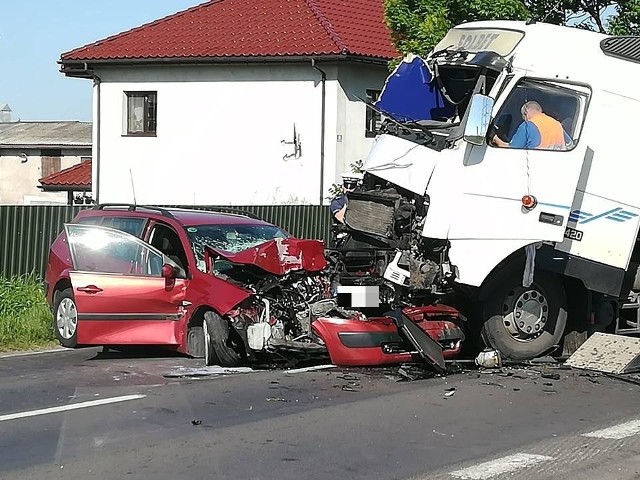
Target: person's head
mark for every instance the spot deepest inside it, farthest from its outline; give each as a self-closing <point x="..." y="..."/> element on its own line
<point x="530" y="109"/>
<point x="349" y="182"/>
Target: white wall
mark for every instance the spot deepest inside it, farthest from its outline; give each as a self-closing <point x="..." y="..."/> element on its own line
<point x="19" y="181"/>
<point x="219" y="133"/>
<point x="354" y="80"/>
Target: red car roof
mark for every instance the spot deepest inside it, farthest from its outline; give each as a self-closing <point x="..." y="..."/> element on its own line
<point x="253" y="28"/>
<point x="199" y="217"/>
<point x="185" y="217"/>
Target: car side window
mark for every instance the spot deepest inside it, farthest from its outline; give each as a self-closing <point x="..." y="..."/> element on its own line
<point x="167" y="241"/>
<point x="104" y="250"/>
<point x="541" y="115"/>
<point x="130" y="225"/>
<point x="89" y="220"/>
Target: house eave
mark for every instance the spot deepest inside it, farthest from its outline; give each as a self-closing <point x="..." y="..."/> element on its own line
<point x="85" y="68"/>
<point x="65" y="188"/>
<point x="43" y="146"/>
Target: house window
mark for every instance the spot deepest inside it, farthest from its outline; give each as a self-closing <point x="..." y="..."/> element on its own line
<point x="141" y="113"/>
<point x="373" y="118"/>
<point x="50" y="165"/>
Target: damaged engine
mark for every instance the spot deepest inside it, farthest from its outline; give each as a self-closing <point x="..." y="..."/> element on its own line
<point x="381" y="243"/>
<point x="277" y="317"/>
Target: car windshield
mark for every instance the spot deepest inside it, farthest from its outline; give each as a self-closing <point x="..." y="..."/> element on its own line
<point x="230" y="238"/>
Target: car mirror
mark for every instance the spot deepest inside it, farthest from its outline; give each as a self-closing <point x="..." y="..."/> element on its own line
<point x="478" y="119"/>
<point x="168" y="271"/>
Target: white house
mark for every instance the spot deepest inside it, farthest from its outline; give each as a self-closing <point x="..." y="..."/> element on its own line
<point x="235" y="101"/>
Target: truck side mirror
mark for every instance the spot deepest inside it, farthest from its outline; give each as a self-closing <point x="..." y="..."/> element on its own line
<point x="478" y="119"/>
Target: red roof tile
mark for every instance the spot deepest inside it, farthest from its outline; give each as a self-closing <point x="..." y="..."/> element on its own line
<point x="76" y="176"/>
<point x="253" y="28"/>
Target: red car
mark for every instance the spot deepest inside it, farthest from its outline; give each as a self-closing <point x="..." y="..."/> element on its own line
<point x="224" y="286"/>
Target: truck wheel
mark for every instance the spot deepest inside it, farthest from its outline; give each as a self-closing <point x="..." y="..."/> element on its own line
<point x="222" y="344"/>
<point x="523" y="323"/>
<point x="65" y="318"/>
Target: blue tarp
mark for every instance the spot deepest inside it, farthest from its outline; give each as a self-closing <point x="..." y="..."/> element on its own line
<point x="410" y="95"/>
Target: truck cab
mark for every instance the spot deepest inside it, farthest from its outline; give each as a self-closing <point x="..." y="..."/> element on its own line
<point x="504" y="176"/>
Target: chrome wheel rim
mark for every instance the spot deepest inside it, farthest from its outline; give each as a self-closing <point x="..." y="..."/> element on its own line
<point x="67" y="318"/>
<point x="525" y="314"/>
<point x="205" y="334"/>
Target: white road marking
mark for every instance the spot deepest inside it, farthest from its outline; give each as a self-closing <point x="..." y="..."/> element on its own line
<point x="72" y="406"/>
<point x="507" y="464"/>
<point x="310" y="369"/>
<point x="616" y="432"/>
<point x="35" y="352"/>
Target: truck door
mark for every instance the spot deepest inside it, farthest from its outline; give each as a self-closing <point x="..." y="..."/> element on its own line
<point x="522" y="192"/>
<point x="119" y="289"/>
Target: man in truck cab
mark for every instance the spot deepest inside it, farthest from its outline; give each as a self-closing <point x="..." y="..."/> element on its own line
<point x="538" y="131"/>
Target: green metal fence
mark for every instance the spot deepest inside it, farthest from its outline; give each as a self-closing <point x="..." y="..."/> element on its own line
<point x="26" y="232"/>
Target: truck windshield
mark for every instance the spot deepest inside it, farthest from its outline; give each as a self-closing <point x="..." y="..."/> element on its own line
<point x="230" y="238"/>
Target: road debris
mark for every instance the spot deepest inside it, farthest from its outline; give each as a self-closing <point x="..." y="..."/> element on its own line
<point x="278" y="399"/>
<point x="494" y="384"/>
<point x="409" y="372"/>
<point x="196" y="422"/>
<point x="450" y="392"/>
<point x="352" y="388"/>
<point x="213" y="370"/>
<point x="608" y="353"/>
<point x="551" y="376"/>
<point x="489" y="359"/>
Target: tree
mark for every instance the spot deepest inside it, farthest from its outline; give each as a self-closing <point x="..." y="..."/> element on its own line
<point x="417" y="25"/>
<point x="587" y="14"/>
<point x="627" y="19"/>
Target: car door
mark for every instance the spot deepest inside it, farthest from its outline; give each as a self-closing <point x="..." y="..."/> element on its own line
<point x="120" y="292"/>
<point x="523" y="193"/>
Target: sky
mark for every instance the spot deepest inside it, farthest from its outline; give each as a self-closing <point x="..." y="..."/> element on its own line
<point x="33" y="34"/>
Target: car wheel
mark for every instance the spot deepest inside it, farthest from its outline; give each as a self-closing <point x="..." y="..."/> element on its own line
<point x="65" y="317"/>
<point x="222" y="343"/>
<point x="195" y="342"/>
<point x="524" y="322"/>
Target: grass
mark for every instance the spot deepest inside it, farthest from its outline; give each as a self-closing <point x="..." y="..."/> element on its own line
<point x="25" y="318"/>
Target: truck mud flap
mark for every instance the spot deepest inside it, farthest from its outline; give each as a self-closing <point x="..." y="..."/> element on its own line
<point x="427" y="347"/>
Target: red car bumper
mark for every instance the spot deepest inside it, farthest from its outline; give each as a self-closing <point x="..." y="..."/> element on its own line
<point x="378" y="341"/>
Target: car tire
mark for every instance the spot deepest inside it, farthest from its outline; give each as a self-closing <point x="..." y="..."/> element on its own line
<point x="195" y="341"/>
<point x="65" y="318"/>
<point x="523" y="323"/>
<point x="222" y="343"/>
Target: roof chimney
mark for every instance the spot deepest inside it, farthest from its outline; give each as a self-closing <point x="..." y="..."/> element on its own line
<point x="5" y="114"/>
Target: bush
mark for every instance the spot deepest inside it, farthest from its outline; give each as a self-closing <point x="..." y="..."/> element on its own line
<point x="25" y="317"/>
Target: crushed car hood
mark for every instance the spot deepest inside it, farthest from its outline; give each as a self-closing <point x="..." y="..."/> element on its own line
<point x="280" y="256"/>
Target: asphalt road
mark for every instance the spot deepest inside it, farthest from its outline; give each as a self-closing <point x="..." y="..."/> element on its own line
<point x="128" y="416"/>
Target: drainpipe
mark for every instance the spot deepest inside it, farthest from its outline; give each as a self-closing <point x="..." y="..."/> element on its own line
<point x="96" y="161"/>
<point x="322" y="127"/>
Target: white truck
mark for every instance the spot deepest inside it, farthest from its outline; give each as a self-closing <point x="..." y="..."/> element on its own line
<point x="526" y="240"/>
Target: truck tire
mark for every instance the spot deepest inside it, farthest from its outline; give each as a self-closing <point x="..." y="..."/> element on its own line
<point x="523" y="323"/>
<point x="65" y="318"/>
<point x="222" y="344"/>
